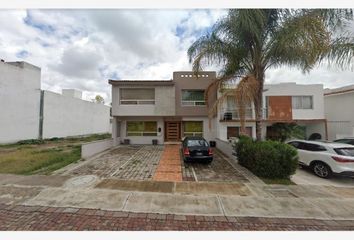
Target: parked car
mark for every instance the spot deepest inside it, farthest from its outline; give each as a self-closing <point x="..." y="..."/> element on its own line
<point x="196" y="149"/>
<point x="326" y="158"/>
<point x="348" y="140"/>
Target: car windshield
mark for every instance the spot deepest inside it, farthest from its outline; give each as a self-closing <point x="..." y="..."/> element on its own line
<point x="197" y="143"/>
<point x="345" y="151"/>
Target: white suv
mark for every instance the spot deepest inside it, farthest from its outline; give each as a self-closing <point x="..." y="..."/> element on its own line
<point x="326" y="158"/>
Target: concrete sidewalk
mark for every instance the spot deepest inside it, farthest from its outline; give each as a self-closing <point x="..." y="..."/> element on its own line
<point x="184" y="198"/>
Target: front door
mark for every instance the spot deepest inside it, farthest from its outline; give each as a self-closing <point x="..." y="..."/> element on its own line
<point x="172" y="131"/>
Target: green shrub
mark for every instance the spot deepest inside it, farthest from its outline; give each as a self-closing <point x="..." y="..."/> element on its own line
<point x="267" y="159"/>
<point x="30" y="141"/>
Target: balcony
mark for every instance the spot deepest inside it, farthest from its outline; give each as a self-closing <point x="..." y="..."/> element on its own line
<point x="233" y="114"/>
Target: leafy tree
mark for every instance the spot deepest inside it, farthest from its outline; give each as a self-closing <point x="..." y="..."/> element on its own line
<point x="247" y="42"/>
<point x="98" y="99"/>
<point x="285" y="131"/>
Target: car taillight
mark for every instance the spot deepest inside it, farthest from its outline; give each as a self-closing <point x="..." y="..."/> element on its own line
<point x="342" y="159"/>
<point x="186" y="151"/>
<point x="210" y="151"/>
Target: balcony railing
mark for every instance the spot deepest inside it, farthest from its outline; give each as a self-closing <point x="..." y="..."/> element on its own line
<point x="193" y="103"/>
<point x="137" y="102"/>
<point x="233" y="114"/>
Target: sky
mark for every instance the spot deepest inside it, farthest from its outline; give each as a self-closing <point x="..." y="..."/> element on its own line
<point x="82" y="49"/>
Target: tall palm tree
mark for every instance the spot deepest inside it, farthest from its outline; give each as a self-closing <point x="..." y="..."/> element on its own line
<point x="247" y="42"/>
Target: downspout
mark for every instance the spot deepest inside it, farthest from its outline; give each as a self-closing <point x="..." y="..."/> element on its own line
<point x="40" y="134"/>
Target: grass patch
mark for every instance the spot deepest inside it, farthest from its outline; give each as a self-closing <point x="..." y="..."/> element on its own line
<point x="278" y="181"/>
<point x="29" y="160"/>
<point x="43" y="157"/>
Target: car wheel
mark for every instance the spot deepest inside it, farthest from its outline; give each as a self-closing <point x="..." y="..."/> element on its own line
<point x="322" y="170"/>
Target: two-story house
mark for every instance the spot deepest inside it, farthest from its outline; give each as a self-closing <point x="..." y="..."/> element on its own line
<point x="168" y="110"/>
<point x="162" y="110"/>
<point x="283" y="102"/>
<point x="338" y="102"/>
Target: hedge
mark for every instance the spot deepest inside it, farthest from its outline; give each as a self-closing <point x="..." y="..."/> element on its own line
<point x="267" y="159"/>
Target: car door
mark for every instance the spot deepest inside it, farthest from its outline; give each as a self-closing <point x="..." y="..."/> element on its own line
<point x="313" y="152"/>
<point x="300" y="150"/>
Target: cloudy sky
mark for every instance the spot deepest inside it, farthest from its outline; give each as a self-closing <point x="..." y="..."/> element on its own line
<point x="82" y="49"/>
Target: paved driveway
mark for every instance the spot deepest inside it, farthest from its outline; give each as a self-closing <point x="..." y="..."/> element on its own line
<point x="219" y="170"/>
<point x="135" y="162"/>
<point x="124" y="162"/>
<point x="306" y="177"/>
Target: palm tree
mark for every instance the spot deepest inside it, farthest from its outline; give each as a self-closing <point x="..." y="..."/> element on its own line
<point x="247" y="42"/>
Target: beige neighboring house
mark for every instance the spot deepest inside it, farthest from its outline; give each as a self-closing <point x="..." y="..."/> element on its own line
<point x="283" y="102"/>
<point x="162" y="110"/>
<point x="339" y="111"/>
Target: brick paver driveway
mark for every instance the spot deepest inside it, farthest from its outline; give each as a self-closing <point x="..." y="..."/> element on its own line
<point x="161" y="163"/>
<point x="220" y="170"/>
<point x="124" y="162"/>
<point x="54" y="218"/>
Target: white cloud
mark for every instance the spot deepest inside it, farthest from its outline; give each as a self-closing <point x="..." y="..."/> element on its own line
<point x="82" y="49"/>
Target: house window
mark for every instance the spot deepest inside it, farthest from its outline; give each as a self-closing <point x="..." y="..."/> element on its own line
<point x="135" y="128"/>
<point x="193" y="128"/>
<point x="137" y="96"/>
<point x="235" y="132"/>
<point x="193" y="98"/>
<point x="302" y="102"/>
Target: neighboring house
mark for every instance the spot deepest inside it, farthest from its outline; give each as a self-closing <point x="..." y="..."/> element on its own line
<point x="339" y="111"/>
<point x="27" y="112"/>
<point x="283" y="102"/>
<point x="165" y="110"/>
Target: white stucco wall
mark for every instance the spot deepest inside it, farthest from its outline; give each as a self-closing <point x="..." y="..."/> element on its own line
<point x="164" y="103"/>
<point x="67" y="116"/>
<point x="93" y="148"/>
<point x="339" y="111"/>
<point x="19" y="101"/>
<point x="293" y="89"/>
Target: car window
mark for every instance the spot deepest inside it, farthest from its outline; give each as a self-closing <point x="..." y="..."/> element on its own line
<point x="295" y="144"/>
<point x="197" y="143"/>
<point x="314" y="147"/>
<point x="342" y="140"/>
<point x="345" y="151"/>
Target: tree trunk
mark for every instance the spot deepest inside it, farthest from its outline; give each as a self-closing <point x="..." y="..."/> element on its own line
<point x="258" y="105"/>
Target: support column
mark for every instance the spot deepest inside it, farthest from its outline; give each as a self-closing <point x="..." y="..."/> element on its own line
<point x="114" y="131"/>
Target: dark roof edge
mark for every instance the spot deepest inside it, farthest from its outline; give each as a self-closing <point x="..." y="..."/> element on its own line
<point x="142" y="82"/>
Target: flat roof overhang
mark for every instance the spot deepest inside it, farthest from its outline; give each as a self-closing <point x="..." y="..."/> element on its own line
<point x="141" y="82"/>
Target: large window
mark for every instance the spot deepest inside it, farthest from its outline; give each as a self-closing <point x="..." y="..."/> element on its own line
<point x="193" y="98"/>
<point x="193" y="128"/>
<point x="135" y="128"/>
<point x="302" y="102"/>
<point x="137" y="96"/>
<point x="235" y="132"/>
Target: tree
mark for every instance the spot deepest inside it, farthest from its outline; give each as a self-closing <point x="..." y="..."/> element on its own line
<point x="98" y="99"/>
<point x="285" y="131"/>
<point x="247" y="42"/>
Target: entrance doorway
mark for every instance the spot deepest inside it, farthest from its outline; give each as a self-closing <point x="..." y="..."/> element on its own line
<point x="172" y="131"/>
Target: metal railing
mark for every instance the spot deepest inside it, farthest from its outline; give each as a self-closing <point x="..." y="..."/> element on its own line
<point x="193" y="103"/>
<point x="193" y="134"/>
<point x="233" y="114"/>
<point x="137" y="102"/>
<point x="138" y="133"/>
